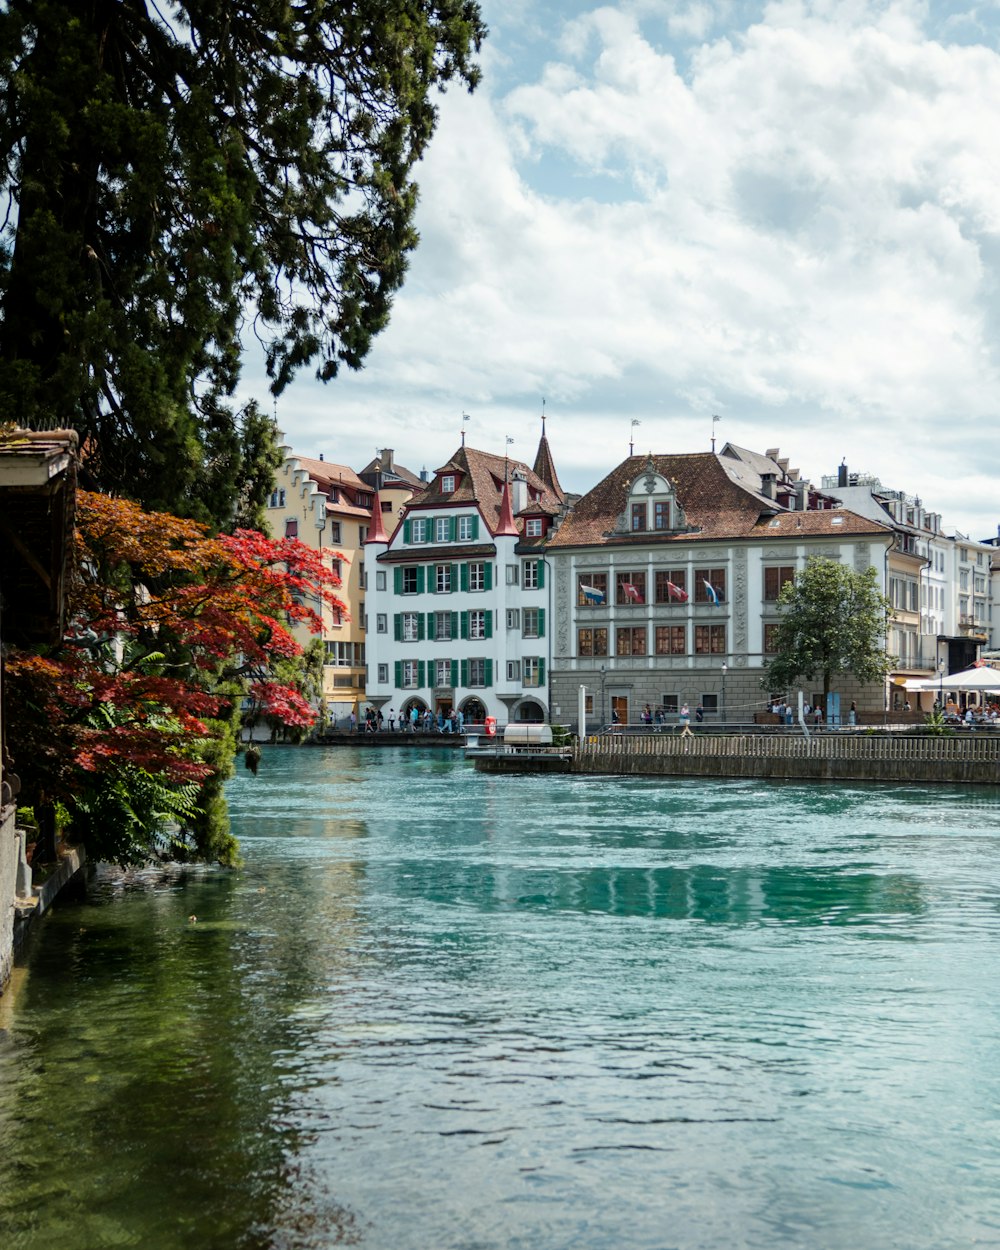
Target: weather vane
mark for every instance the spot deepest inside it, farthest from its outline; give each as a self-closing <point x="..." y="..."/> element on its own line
<point x="465" y="418"/>
<point x="714" y="419"/>
<point x="631" y="437"/>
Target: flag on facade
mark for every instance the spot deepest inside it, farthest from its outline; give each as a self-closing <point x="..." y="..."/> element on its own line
<point x="632" y="592"/>
<point x="592" y="594"/>
<point x="675" y="592"/>
<point x="713" y="594"/>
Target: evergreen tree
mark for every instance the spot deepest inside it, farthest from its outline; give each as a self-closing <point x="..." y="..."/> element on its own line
<point x="169" y="167"/>
<point x="833" y="620"/>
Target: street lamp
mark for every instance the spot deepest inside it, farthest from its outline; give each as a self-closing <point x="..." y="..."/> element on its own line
<point x="941" y="667"/>
<point x="604" y="672"/>
<point x="725" y="667"/>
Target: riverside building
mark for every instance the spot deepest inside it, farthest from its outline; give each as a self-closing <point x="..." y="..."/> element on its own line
<point x="459" y="601"/>
<point x="329" y="507"/>
<point x="666" y="580"/>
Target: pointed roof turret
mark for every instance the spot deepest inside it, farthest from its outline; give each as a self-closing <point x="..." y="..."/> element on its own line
<point x="377" y="534"/>
<point x="545" y="467"/>
<point x="505" y="524"/>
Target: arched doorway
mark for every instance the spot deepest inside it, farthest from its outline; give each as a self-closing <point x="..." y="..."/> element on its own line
<point x="474" y="711"/>
<point x="529" y="713"/>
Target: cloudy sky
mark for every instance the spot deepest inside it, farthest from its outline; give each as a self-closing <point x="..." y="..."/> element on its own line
<point x="785" y="214"/>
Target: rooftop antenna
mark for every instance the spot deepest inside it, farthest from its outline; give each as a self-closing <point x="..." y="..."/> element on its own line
<point x="505" y="465"/>
<point x="465" y="418"/>
<point x="714" y="420"/>
<point x="631" y="437"/>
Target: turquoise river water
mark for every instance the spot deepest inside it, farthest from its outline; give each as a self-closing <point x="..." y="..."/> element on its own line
<point x="437" y="1010"/>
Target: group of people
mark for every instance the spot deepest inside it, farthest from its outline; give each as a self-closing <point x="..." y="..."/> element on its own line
<point x="409" y="722"/>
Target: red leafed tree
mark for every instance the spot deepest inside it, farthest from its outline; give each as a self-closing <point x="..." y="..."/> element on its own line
<point x="131" y="721"/>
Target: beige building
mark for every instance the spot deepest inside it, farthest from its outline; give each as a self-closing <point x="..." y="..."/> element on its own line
<point x="329" y="507"/>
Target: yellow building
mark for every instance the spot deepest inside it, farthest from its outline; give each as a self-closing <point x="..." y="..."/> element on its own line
<point x="329" y="507"/>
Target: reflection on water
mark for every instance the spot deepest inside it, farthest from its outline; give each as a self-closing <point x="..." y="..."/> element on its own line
<point x="436" y="1009"/>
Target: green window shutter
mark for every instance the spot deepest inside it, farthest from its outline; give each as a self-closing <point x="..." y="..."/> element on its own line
<point x="475" y="528"/>
<point x="420" y="579"/>
<point x="541" y="622"/>
<point x="541" y="574"/>
<point x="429" y="530"/>
<point x="454" y="674"/>
<point x="407" y="529"/>
<point x="397" y="626"/>
<point x="465" y="674"/>
<point x="453" y="632"/>
<point x="397" y="580"/>
<point x="421" y="633"/>
<point x="463" y="580"/>
<point x="455" y="577"/>
<point x="489" y="577"/>
<point x="452" y="528"/>
<point x="489" y="627"/>
<point x="464" y="629"/>
<point x="421" y="674"/>
<point x="489" y="672"/>
<point x="399" y="674"/>
<point x="541" y="672"/>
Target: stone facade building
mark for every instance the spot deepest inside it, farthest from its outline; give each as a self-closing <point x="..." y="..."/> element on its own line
<point x="666" y="580"/>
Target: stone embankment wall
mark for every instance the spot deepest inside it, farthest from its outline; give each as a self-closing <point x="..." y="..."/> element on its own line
<point x="832" y="757"/>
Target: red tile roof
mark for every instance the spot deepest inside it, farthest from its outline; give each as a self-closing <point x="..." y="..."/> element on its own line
<point x="481" y="477"/>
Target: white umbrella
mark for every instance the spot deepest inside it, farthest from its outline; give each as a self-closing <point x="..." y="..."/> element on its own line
<point x="979" y="677"/>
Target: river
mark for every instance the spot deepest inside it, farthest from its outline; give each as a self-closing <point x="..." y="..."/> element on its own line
<point x="436" y="1010"/>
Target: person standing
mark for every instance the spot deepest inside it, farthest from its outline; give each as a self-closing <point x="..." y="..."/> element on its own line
<point x="392" y="720"/>
<point x="684" y="720"/>
<point x="354" y="721"/>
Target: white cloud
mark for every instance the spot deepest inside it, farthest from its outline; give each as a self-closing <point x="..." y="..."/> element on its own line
<point x="796" y="227"/>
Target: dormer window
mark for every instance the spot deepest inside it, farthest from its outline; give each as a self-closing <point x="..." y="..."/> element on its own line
<point x="661" y="515"/>
<point x="533" y="527"/>
<point x="447" y="484"/>
<point x="638" y="517"/>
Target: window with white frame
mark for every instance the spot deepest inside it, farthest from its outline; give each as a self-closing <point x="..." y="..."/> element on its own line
<point x="442" y="626"/>
<point x="531" y="621"/>
<point x="465" y="529"/>
<point x="513" y="670"/>
<point x="442" y="529"/>
<point x="513" y="618"/>
<point x="409" y="580"/>
<point x="530" y="579"/>
<point x="512" y="574"/>
<point x="442" y="578"/>
<point x="418" y="530"/>
<point x="410" y="627"/>
<point x="442" y="673"/>
<point x="381" y="623"/>
<point x="411" y="674"/>
<point x="477" y="672"/>
<point x="380" y="579"/>
<point x="533" y="527"/>
<point x="383" y="674"/>
<point x="447" y="483"/>
<point x="532" y="670"/>
<point x="477" y="624"/>
<point x="477" y="576"/>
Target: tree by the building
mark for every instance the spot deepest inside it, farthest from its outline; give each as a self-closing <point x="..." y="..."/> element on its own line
<point x="133" y="721"/>
<point x="177" y="175"/>
<point x="833" y="622"/>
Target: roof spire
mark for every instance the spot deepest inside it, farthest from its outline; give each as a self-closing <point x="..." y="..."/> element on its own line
<point x="376" y="532"/>
<point x="465" y="418"/>
<point x="505" y="525"/>
<point x="544" y="466"/>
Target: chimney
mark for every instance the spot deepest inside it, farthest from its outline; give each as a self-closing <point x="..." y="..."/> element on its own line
<point x="423" y="474"/>
<point x="386" y="462"/>
<point x="519" y="486"/>
<point x="321" y="455"/>
<point x="801" y="496"/>
<point x="842" y="473"/>
<point x="768" y="484"/>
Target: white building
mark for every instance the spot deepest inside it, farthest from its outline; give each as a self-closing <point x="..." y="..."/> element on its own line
<point x="459" y="598"/>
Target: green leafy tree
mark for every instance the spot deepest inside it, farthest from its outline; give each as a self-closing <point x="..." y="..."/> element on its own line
<point x="178" y="173"/>
<point x="833" y="620"/>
